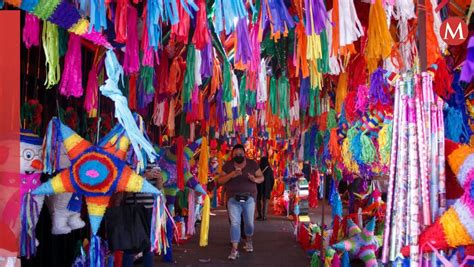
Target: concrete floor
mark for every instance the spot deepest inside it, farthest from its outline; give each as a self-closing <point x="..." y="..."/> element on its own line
<point x="274" y="245"/>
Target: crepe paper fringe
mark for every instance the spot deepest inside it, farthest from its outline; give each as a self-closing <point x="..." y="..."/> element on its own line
<point x="31" y="31"/>
<point x="71" y="82"/>
<point x="131" y="63"/>
<point x="443" y="79"/>
<point x="380" y="41"/>
<point x="29" y="215"/>
<point x="378" y="85"/>
<point x="122" y="112"/>
<point x="51" y="51"/>
<point x="385" y="143"/>
<point x="203" y="169"/>
<point x="180" y="162"/>
<point x="455" y="129"/>
<point x="204" y="236"/>
<point x="362" y="98"/>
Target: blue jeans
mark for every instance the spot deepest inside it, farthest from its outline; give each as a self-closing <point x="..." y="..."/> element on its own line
<point x="236" y="209"/>
<point x="127" y="260"/>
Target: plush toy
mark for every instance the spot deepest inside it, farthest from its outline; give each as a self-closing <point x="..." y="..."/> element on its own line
<point x="455" y="227"/>
<point x="97" y="172"/>
<point x="65" y="208"/>
<point x="361" y="244"/>
<point x="30" y="174"/>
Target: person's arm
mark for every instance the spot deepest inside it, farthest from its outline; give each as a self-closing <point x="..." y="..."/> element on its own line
<point x="258" y="178"/>
<point x="224" y="177"/>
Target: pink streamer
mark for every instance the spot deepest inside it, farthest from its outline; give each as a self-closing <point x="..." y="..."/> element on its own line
<point x="97" y="38"/>
<point x="31" y="31"/>
<point x="90" y="101"/>
<point x="132" y="60"/>
<point x="190" y="229"/>
<point x="71" y="82"/>
<point x="362" y="98"/>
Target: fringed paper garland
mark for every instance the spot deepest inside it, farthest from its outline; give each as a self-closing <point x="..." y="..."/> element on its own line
<point x="204" y="236"/>
<point x="380" y="41"/>
<point x="31" y="31"/>
<point x="71" y="80"/>
<point x="131" y="63"/>
<point x="51" y="51"/>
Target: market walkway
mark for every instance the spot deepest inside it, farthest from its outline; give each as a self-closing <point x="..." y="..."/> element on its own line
<point x="274" y="245"/>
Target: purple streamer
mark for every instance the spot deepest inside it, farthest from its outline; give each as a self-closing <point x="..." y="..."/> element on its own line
<point x="319" y="16"/>
<point x="378" y="85"/>
<point x="304" y="93"/>
<point x="206" y="109"/>
<point x="207" y="61"/>
<point x="243" y="52"/>
<point x="220" y="108"/>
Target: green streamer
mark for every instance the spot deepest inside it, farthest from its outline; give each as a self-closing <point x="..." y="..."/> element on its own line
<point x="189" y="79"/>
<point x="227" y="86"/>
<point x="51" y="52"/>
<point x="323" y="63"/>
<point x="273" y="96"/>
<point x="146" y="78"/>
<point x="242" y="96"/>
<point x="312" y="109"/>
<point x="283" y="95"/>
<point x="331" y="119"/>
<point x="251" y="99"/>
<point x="318" y="102"/>
<point x="63" y="39"/>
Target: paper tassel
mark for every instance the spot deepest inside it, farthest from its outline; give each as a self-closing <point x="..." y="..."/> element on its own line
<point x="350" y="28"/>
<point x="122" y="112"/>
<point x="378" y="84"/>
<point x="131" y="63"/>
<point x="283" y="96"/>
<point x="190" y="226"/>
<point x="443" y="80"/>
<point x="98" y="20"/>
<point x="29" y="213"/>
<point x="276" y="12"/>
<point x="51" y="52"/>
<point x="362" y="98"/>
<point x="341" y="90"/>
<point x="316" y="15"/>
<point x="201" y="35"/>
<point x="243" y="51"/>
<point x="71" y="82"/>
<point x="203" y="239"/>
<point x="455" y="129"/>
<point x="203" y="170"/>
<point x="385" y="143"/>
<point x="90" y="100"/>
<point x="120" y="23"/>
<point x="350" y="107"/>
<point x="31" y="31"/>
<point x="96" y="257"/>
<point x="189" y="78"/>
<point x="334" y="147"/>
<point x="180" y="162"/>
<point x="158" y="233"/>
<point x="380" y="41"/>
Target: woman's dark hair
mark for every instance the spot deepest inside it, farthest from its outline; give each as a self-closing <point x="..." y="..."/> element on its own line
<point x="238" y="146"/>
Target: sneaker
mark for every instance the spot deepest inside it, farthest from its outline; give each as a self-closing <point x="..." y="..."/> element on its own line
<point x="248" y="246"/>
<point x="234" y="254"/>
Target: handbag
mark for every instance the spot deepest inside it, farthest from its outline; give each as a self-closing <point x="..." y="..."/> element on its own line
<point x="128" y="227"/>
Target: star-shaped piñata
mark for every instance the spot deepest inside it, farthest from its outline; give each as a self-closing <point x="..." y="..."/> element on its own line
<point x="361" y="244"/>
<point x="96" y="172"/>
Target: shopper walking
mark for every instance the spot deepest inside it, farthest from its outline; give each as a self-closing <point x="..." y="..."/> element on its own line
<point x="239" y="177"/>
<point x="264" y="190"/>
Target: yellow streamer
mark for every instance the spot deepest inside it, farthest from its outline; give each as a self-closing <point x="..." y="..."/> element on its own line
<point x="206" y="210"/>
<point x="203" y="170"/>
<point x="379" y="44"/>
